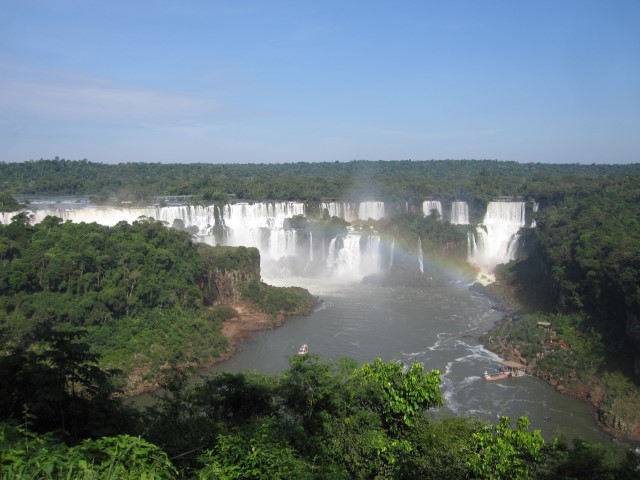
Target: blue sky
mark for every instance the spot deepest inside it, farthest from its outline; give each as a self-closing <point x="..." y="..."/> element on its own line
<point x="286" y="81"/>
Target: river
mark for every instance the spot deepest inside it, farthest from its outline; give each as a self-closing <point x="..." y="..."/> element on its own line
<point x="439" y="327"/>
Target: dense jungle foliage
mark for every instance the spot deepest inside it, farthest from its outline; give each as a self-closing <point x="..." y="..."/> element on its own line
<point x="316" y="420"/>
<point x="8" y="203"/>
<point x="579" y="270"/>
<point x="135" y="290"/>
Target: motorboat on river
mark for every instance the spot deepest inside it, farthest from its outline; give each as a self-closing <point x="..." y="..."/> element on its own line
<point x="303" y="349"/>
<point x="495" y="376"/>
<point x="507" y="369"/>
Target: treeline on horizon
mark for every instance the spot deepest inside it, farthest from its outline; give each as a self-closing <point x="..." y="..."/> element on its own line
<point x="403" y="180"/>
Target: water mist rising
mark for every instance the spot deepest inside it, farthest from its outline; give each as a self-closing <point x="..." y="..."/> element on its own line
<point x="496" y="239"/>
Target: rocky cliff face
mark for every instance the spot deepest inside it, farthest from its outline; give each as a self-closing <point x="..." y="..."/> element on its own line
<point x="224" y="270"/>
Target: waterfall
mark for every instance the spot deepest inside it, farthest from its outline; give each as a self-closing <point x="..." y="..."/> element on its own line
<point x="353" y="256"/>
<point x="393" y="245"/>
<point x="420" y="255"/>
<point x="536" y="207"/>
<point x="108" y="216"/>
<point x="371" y="255"/>
<point x="281" y="243"/>
<point x="197" y="218"/>
<point x="261" y="225"/>
<point x="258" y="225"/>
<point x="373" y="210"/>
<point x="348" y="211"/>
<point x="332" y="255"/>
<point x="345" y="210"/>
<point x="219" y="217"/>
<point x="496" y="239"/>
<point x="344" y="256"/>
<point x="472" y="247"/>
<point x="429" y="205"/>
<point x="5" y="217"/>
<point x="459" y="213"/>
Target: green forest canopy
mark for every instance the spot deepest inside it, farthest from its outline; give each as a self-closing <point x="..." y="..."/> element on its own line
<point x="136" y="289"/>
<point x="316" y="420"/>
<point x="471" y="180"/>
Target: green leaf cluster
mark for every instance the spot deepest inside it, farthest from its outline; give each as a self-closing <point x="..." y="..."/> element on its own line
<point x="26" y="455"/>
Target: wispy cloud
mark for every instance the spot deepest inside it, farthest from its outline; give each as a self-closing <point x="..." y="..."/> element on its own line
<point x="90" y="99"/>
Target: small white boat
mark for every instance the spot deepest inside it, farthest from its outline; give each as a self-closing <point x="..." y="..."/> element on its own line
<point x="303" y="349"/>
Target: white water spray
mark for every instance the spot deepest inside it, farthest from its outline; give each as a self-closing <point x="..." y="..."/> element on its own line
<point x="496" y="239"/>
<point x="345" y="210"/>
<point x="429" y="205"/>
<point x="391" y="253"/>
<point x="371" y="210"/>
<point x="459" y="213"/>
<point x="353" y="256"/>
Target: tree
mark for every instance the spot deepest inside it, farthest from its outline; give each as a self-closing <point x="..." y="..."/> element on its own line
<point x="60" y="385"/>
<point x="254" y="453"/>
<point x="398" y="393"/>
<point x="502" y="452"/>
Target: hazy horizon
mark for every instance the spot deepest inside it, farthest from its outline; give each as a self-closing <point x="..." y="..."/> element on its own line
<point x="287" y="81"/>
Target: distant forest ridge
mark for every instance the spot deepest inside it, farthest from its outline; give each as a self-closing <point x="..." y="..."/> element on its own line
<point x="471" y="180"/>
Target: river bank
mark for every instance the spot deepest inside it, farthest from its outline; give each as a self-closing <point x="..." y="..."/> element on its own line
<point x="570" y="367"/>
<point x="248" y="319"/>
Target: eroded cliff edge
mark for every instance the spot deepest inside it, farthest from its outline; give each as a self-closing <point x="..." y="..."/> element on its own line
<point x="238" y="301"/>
<point x="230" y="278"/>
